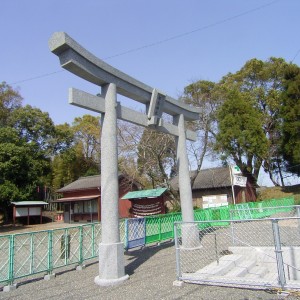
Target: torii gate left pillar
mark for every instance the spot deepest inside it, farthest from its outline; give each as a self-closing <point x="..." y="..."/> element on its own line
<point x="111" y="249"/>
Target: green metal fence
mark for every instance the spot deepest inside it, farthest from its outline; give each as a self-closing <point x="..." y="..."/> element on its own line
<point x="31" y="253"/>
<point x="258" y="210"/>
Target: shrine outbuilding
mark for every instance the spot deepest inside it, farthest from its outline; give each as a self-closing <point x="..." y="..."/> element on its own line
<point x="27" y="209"/>
<point x="82" y="198"/>
<point x="214" y="187"/>
<point x="147" y="202"/>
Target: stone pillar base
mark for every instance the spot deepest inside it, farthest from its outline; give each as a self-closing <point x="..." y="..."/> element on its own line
<point x="111" y="264"/>
<point x="190" y="236"/>
<point x="110" y="282"/>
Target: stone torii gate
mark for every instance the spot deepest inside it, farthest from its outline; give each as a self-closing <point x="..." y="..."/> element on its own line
<point x="74" y="58"/>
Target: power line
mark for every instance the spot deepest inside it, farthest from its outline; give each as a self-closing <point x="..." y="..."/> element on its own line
<point x="36" y="77"/>
<point x="194" y="31"/>
<point x="178" y="36"/>
<point x="295" y="56"/>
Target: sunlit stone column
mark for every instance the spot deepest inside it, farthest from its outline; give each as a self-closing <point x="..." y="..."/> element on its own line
<point x="111" y="250"/>
<point x="190" y="238"/>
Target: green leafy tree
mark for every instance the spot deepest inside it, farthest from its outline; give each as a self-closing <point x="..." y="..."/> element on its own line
<point x="64" y="138"/>
<point x="262" y="83"/>
<point x="291" y="120"/>
<point x="9" y="101"/>
<point x="69" y="166"/>
<point x="28" y="140"/>
<point x="241" y="136"/>
<point x="87" y="133"/>
<point x="34" y="126"/>
<point x="81" y="151"/>
<point x="22" y="164"/>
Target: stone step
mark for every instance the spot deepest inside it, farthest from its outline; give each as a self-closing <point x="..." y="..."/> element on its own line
<point x="248" y="253"/>
<point x="226" y="263"/>
<point x="242" y="269"/>
<point x="257" y="272"/>
<point x="240" y="281"/>
<point x="293" y="284"/>
<point x="271" y="276"/>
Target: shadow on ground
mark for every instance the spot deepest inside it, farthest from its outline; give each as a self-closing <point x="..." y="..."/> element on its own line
<point x="137" y="257"/>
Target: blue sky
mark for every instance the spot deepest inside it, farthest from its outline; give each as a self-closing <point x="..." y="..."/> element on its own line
<point x="176" y="42"/>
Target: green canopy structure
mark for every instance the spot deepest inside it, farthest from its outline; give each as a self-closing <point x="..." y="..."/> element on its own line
<point x="153" y="193"/>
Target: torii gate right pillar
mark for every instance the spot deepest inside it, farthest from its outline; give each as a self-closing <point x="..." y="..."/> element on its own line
<point x="190" y="239"/>
<point x="185" y="189"/>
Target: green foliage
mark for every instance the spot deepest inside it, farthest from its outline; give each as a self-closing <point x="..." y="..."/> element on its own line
<point x="9" y="101"/>
<point x="87" y="133"/>
<point x="28" y="138"/>
<point x="21" y="167"/>
<point x="240" y="135"/>
<point x="16" y="157"/>
<point x="81" y="155"/>
<point x="64" y="138"/>
<point x="291" y="119"/>
<point x="261" y="83"/>
<point x="34" y="126"/>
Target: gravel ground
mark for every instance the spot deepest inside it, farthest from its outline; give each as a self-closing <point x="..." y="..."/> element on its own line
<point x="152" y="272"/>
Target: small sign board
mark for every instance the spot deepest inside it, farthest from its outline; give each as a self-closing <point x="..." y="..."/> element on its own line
<point x="214" y="201"/>
<point x="239" y="180"/>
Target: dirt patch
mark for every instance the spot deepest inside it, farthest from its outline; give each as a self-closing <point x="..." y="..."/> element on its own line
<point x="280" y="192"/>
<point x="13" y="229"/>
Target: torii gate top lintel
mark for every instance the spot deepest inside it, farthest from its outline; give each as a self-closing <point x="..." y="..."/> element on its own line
<point x="76" y="59"/>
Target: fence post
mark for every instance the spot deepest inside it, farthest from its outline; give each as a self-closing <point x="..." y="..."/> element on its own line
<point x="50" y="251"/>
<point x="173" y="235"/>
<point x="278" y="251"/>
<point x="159" y="236"/>
<point x="145" y="229"/>
<point x="232" y="227"/>
<point x="298" y="215"/>
<point x="10" y="280"/>
<point x="178" y="269"/>
<point x="81" y="245"/>
<point x="93" y="240"/>
<point x="32" y="253"/>
<point x="216" y="249"/>
<point x="11" y="259"/>
<point x="126" y="234"/>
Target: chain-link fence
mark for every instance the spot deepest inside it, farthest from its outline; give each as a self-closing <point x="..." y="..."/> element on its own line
<point x="251" y="253"/>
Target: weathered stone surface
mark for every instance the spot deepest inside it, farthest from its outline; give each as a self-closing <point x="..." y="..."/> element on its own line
<point x="76" y="59"/>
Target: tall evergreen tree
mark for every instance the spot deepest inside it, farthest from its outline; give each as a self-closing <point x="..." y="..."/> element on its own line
<point x="262" y="83"/>
<point x="241" y="136"/>
<point x="290" y="113"/>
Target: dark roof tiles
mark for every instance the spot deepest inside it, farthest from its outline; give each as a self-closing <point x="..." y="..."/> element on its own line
<point x="208" y="178"/>
<point x="92" y="182"/>
<point x="88" y="182"/>
<point x="212" y="178"/>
